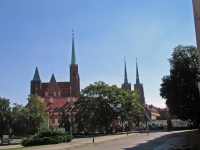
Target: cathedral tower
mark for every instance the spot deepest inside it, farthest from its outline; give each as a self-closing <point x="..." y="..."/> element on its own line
<point x="36" y="82"/>
<point x="139" y="87"/>
<point x="74" y="75"/>
<point x="126" y="86"/>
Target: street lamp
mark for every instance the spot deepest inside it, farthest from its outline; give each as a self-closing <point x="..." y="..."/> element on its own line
<point x="27" y="117"/>
<point x="90" y="120"/>
<point x="92" y="116"/>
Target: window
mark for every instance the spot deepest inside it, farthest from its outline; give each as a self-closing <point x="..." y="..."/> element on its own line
<point x="46" y="94"/>
<point x="71" y="120"/>
<point x="54" y="93"/>
<point x="53" y="121"/>
<point x="59" y="120"/>
<point x="73" y="73"/>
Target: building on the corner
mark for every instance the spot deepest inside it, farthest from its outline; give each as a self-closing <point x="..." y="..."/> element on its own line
<point x="58" y="95"/>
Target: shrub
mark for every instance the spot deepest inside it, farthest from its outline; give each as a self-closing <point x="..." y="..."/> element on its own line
<point x="44" y="137"/>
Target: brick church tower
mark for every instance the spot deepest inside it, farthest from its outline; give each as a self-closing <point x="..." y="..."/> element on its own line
<point x="58" y="89"/>
<point x="74" y="76"/>
<point x="126" y="86"/>
<point x="139" y="87"/>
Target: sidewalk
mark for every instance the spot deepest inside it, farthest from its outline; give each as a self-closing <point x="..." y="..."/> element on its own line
<point x="78" y="142"/>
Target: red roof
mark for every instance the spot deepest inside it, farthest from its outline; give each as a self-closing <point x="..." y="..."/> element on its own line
<point x="59" y="103"/>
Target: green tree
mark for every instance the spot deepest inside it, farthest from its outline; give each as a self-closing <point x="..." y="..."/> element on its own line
<point x="5" y="116"/>
<point x="35" y="115"/>
<point x="19" y="119"/>
<point x="99" y="104"/>
<point x="64" y="121"/>
<point x="180" y="88"/>
<point x="130" y="106"/>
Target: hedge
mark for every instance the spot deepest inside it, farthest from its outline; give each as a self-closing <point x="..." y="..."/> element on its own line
<point x="46" y="137"/>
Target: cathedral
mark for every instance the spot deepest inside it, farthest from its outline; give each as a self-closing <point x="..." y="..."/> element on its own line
<point x="137" y="86"/>
<point x="58" y="95"/>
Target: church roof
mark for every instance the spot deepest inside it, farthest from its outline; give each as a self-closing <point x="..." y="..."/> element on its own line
<point x="36" y="75"/>
<point x="59" y="103"/>
<point x="53" y="86"/>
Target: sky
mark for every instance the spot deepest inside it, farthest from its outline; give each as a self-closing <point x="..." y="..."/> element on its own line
<point x="39" y="33"/>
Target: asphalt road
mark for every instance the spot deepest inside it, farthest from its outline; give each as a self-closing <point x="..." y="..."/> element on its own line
<point x="153" y="141"/>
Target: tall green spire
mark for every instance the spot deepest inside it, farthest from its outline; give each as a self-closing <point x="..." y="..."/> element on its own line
<point x="73" y="59"/>
<point x="36" y="75"/>
<point x="125" y="73"/>
<point x="137" y="74"/>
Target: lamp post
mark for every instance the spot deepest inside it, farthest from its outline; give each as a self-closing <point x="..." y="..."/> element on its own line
<point x="92" y="116"/>
<point x="27" y="117"/>
<point x="90" y="119"/>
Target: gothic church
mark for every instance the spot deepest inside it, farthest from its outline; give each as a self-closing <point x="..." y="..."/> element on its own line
<point x="58" y="95"/>
<point x="58" y="89"/>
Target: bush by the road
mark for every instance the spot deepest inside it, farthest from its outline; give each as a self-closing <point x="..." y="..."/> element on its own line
<point x="46" y="137"/>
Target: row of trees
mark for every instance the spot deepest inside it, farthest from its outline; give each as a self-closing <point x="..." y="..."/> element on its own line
<point x="20" y="119"/>
<point x="99" y="104"/>
<point x="180" y="87"/>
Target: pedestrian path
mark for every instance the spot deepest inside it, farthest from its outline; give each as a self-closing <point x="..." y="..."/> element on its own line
<point x="84" y="142"/>
<point x="78" y="142"/>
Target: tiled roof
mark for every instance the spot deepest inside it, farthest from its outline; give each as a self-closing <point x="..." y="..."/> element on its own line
<point x="155" y="114"/>
<point x="59" y="103"/>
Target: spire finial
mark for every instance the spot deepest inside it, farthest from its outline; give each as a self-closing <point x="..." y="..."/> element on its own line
<point x="125" y="73"/>
<point x="137" y="74"/>
<point x="73" y="59"/>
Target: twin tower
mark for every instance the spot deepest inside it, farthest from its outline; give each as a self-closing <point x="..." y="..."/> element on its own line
<point x="137" y="86"/>
<point x="58" y="89"/>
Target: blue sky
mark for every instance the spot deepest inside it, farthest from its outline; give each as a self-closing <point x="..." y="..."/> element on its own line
<point x="39" y="33"/>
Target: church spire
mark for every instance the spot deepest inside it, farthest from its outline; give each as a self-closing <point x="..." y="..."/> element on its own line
<point x="36" y="75"/>
<point x="137" y="74"/>
<point x="125" y="73"/>
<point x="73" y="59"/>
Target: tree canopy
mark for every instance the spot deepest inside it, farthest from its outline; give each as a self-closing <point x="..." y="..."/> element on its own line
<point x="35" y="115"/>
<point x="180" y="87"/>
<point x="5" y="116"/>
<point x="64" y="121"/>
<point x="19" y="119"/>
<point x="101" y="104"/>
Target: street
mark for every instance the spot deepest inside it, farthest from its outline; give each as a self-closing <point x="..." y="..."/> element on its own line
<point x="156" y="140"/>
<point x="153" y="141"/>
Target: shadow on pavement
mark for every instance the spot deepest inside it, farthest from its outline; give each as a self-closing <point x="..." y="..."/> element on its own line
<point x="166" y="142"/>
